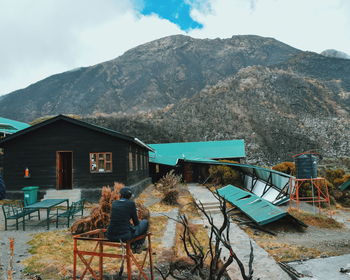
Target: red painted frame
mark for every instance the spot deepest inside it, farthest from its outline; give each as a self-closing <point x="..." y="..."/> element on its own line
<point x="101" y="241"/>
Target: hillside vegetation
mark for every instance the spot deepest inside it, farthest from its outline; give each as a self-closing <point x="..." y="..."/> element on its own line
<point x="280" y="100"/>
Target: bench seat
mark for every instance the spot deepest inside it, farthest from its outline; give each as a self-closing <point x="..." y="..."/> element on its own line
<point x="74" y="209"/>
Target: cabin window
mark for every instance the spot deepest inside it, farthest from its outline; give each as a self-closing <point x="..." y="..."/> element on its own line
<point x="131" y="163"/>
<point x="141" y="162"/>
<point x="136" y="161"/>
<point x="100" y="162"/>
<point x="146" y="163"/>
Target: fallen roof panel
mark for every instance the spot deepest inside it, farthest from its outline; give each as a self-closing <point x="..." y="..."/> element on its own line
<point x="258" y="209"/>
<point x="345" y="185"/>
<point x="270" y="184"/>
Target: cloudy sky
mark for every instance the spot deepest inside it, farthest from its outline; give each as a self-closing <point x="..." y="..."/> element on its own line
<point x="43" y="37"/>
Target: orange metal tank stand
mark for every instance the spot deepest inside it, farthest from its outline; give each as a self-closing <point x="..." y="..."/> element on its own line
<point x="318" y="186"/>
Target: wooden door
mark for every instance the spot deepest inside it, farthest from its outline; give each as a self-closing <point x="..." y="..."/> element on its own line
<point x="188" y="173"/>
<point x="64" y="173"/>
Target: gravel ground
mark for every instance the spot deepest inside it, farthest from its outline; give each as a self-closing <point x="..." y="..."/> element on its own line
<point x="325" y="240"/>
<point x="328" y="240"/>
<point x="20" y="244"/>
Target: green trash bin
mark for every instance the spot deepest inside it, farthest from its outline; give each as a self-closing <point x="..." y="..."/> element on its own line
<point x="30" y="194"/>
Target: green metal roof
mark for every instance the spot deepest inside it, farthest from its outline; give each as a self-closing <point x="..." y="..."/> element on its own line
<point x="345" y="185"/>
<point x="170" y="153"/>
<point x="10" y="126"/>
<point x="258" y="209"/>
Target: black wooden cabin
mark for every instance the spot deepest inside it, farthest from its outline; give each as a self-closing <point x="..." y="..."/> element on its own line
<point x="64" y="153"/>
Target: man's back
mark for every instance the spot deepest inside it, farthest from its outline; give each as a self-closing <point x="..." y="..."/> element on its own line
<point x="123" y="211"/>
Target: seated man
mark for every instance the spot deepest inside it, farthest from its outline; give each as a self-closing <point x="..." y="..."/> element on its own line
<point x="120" y="229"/>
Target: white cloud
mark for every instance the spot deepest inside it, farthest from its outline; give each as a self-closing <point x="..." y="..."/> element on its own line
<point x="43" y="37"/>
<point x="110" y="40"/>
<point x="313" y="25"/>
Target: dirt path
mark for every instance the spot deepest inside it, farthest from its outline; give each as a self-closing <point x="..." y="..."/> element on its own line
<point x="335" y="240"/>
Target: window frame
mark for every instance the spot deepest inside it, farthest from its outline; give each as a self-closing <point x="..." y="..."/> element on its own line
<point x="136" y="160"/>
<point x="105" y="162"/>
<point x="131" y="160"/>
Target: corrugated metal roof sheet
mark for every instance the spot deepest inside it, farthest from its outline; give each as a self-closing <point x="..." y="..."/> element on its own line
<point x="11" y="126"/>
<point x="271" y="185"/>
<point x="170" y="153"/>
<point x="345" y="185"/>
<point x="258" y="209"/>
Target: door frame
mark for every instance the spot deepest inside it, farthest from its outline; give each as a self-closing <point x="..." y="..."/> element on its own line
<point x="57" y="169"/>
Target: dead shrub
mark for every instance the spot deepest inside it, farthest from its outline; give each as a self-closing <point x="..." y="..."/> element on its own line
<point x="171" y="197"/>
<point x="169" y="182"/>
<point x="100" y="214"/>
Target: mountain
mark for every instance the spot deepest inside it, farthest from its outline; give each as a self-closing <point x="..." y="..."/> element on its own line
<point x="278" y="112"/>
<point x="280" y="100"/>
<point x="147" y="77"/>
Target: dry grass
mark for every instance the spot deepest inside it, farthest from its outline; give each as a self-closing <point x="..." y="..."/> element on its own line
<point x="317" y="220"/>
<point x="157" y="227"/>
<point x="251" y="232"/>
<point x="199" y="231"/>
<point x="284" y="252"/>
<point x="160" y="207"/>
<point x="288" y="252"/>
<point x="8" y="201"/>
<point x="188" y="207"/>
<point x="52" y="256"/>
<point x="52" y="252"/>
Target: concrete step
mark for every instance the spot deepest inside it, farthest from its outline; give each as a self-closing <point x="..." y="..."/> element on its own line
<point x="72" y="195"/>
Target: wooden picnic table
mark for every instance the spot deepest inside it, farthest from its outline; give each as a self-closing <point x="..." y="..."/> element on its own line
<point x="47" y="204"/>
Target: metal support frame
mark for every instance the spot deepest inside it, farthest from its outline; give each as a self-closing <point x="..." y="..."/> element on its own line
<point x="319" y="195"/>
<point x="98" y="251"/>
<point x="268" y="185"/>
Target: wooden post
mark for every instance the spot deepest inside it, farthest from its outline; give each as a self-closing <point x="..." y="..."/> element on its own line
<point x="128" y="260"/>
<point x="150" y="256"/>
<point x="2" y="267"/>
<point x="75" y="260"/>
<point x="101" y="260"/>
<point x="10" y="269"/>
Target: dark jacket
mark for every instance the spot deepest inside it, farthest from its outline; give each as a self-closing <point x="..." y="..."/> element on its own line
<point x="120" y="228"/>
<point x="2" y="188"/>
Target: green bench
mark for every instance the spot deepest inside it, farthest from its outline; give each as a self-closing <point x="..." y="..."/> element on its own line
<point x="15" y="211"/>
<point x="74" y="209"/>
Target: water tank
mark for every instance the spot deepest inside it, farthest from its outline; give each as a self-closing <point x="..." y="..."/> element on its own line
<point x="306" y="166"/>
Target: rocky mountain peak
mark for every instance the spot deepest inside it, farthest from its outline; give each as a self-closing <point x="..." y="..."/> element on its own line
<point x="281" y="100"/>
